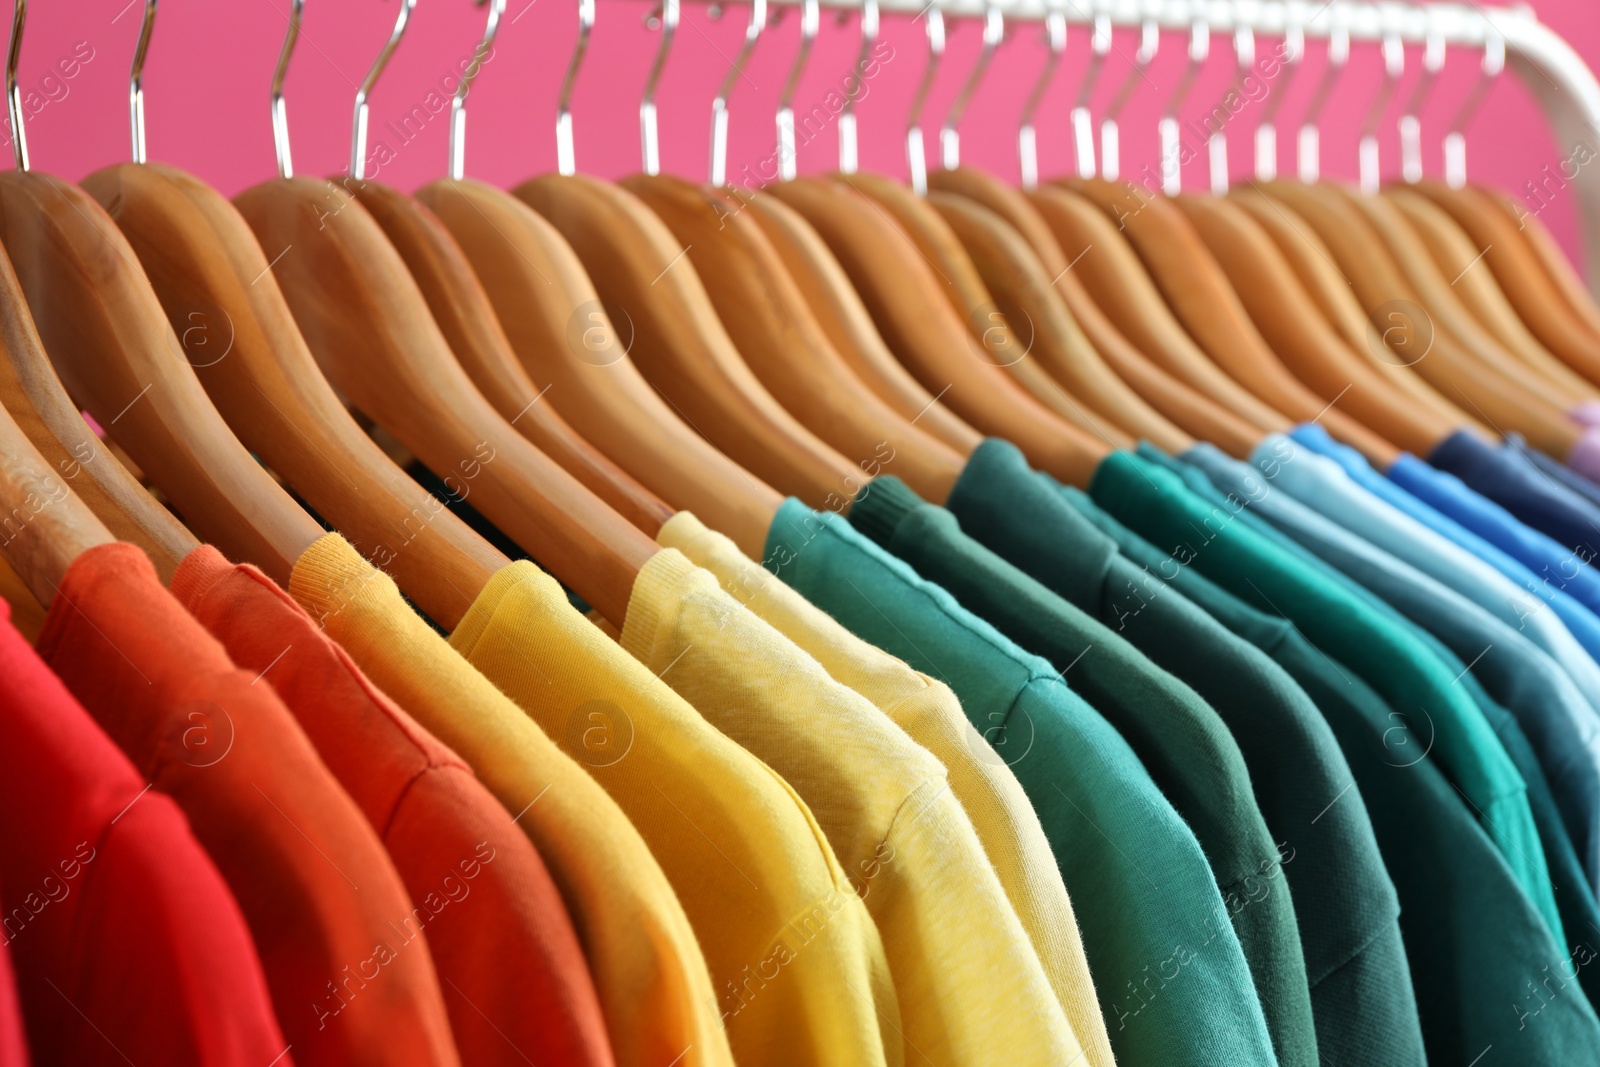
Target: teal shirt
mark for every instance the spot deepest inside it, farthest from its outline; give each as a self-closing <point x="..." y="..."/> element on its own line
<point x="1172" y="980"/>
<point x="1474" y="940"/>
<point x="1345" y="904"/>
<point x="1181" y="740"/>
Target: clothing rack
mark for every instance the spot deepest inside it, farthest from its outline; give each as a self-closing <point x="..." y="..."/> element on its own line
<point x="1563" y="83"/>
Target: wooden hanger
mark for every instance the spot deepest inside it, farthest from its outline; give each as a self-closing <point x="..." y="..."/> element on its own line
<point x="369" y="328"/>
<point x="213" y="280"/>
<point x="990" y="324"/>
<point x="564" y="338"/>
<point x="462" y="311"/>
<point x="1539" y="298"/>
<point x="1122" y="289"/>
<point x="1187" y="408"/>
<point x="1440" y="297"/>
<point x="838" y="309"/>
<point x="1197" y="290"/>
<point x="925" y="332"/>
<point x="109" y="339"/>
<point x="1326" y="285"/>
<point x="1552" y="259"/>
<point x="1387" y="293"/>
<point x="782" y="342"/>
<point x="679" y="343"/>
<point x="40" y="407"/>
<point x="1293" y="325"/>
<point x="1480" y="294"/>
<point x="1016" y="278"/>
<point x="44" y="526"/>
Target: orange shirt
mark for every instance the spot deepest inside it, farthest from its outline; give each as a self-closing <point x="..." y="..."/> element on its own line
<point x="514" y="977"/>
<point x="351" y="982"/>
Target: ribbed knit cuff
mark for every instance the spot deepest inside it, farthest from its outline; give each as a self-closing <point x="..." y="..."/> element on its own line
<point x="661" y="574"/>
<point x="877" y="512"/>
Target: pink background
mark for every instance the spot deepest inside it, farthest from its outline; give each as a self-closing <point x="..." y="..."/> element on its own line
<point x="211" y="61"/>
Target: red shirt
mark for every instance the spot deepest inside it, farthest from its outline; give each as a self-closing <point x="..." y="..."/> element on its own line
<point x="514" y="976"/>
<point x="126" y="942"/>
<point x="13" y="1049"/>
<point x="350" y="973"/>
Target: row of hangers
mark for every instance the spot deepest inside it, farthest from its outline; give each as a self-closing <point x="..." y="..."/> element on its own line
<point x="580" y="358"/>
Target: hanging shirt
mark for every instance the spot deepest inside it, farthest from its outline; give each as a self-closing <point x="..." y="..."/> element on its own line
<point x="1295" y="765"/>
<point x="971" y="989"/>
<point x="1324" y="485"/>
<point x="1558" y="569"/>
<point x="1366" y="996"/>
<point x="1560" y="473"/>
<point x="511" y="967"/>
<point x="123" y="934"/>
<point x="647" y="967"/>
<point x="1472" y="935"/>
<point x="1510" y="480"/>
<point x="796" y="963"/>
<point x="350" y="982"/>
<point x="1180" y="739"/>
<point x="930" y="714"/>
<point x="1173" y="981"/>
<point x="1350" y="623"/>
<point x="1579" y="621"/>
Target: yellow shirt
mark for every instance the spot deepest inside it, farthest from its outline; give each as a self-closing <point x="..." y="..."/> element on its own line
<point x="647" y="966"/>
<point x="931" y="715"/>
<point x="797" y="965"/>
<point x="972" y="991"/>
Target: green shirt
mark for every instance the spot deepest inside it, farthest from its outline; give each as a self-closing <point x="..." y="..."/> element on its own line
<point x="1485" y="970"/>
<point x="1180" y="739"/>
<point x="1344" y="902"/>
<point x="1172" y="979"/>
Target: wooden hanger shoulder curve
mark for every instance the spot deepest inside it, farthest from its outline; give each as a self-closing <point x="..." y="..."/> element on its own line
<point x="1196" y="414"/>
<point x="464" y="315"/>
<point x="1556" y="266"/>
<point x="1291" y="322"/>
<point x="924" y="331"/>
<point x="989" y="323"/>
<point x="213" y="280"/>
<point x="369" y="328"/>
<point x="37" y="402"/>
<point x="562" y="334"/>
<point x="1018" y="281"/>
<point x="115" y="352"/>
<point x="782" y="342"/>
<point x="679" y="343"/>
<point x="848" y="324"/>
<point x="1323" y="280"/>
<point x="1481" y="296"/>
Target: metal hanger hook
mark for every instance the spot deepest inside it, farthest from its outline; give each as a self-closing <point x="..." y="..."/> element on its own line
<point x="1394" y="67"/>
<point x="1082" y="121"/>
<point x="1455" y="140"/>
<point x="848" y="160"/>
<point x="649" y="131"/>
<point x="719" y="106"/>
<point x="19" y="130"/>
<point x="1055" y="39"/>
<point x="1310" y="139"/>
<point x="566" y="159"/>
<point x="788" y="149"/>
<point x="280" y="113"/>
<point x="915" y="151"/>
<point x="1110" y="135"/>
<point x="1171" y="141"/>
<point x="1433" y="57"/>
<point x="1292" y="53"/>
<point x="1244" y="51"/>
<point x="358" y="125"/>
<point x="458" y="103"/>
<point x="994" y="32"/>
<point x="136" y="80"/>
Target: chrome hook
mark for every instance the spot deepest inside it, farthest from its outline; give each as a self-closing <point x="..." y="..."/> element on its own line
<point x="1244" y="50"/>
<point x="1394" y="66"/>
<point x="719" y="105"/>
<point x="1310" y="139"/>
<point x="1455" y="140"/>
<point x="1110" y="133"/>
<point x="19" y="131"/>
<point x="810" y="17"/>
<point x="566" y="161"/>
<point x="848" y="159"/>
<point x="1171" y="143"/>
<point x="915" y="157"/>
<point x="1082" y="122"/>
<point x="1294" y="51"/>
<point x="280" y="113"/>
<point x="136" y="80"/>
<point x="649" y="134"/>
<point x="458" y="103"/>
<point x="1433" y="56"/>
<point x="1055" y="37"/>
<point x="358" y="131"/>
<point x="994" y="31"/>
